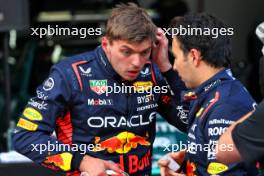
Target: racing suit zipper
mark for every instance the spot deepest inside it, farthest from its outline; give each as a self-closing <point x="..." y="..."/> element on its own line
<point x="128" y="113"/>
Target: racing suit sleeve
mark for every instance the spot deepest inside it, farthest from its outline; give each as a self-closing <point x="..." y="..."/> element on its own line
<point x="218" y="119"/>
<point x="33" y="135"/>
<point x="170" y="105"/>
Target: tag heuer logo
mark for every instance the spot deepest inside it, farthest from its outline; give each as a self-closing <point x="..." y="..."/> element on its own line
<point x="98" y="86"/>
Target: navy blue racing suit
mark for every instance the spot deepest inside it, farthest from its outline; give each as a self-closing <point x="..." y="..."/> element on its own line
<point x="215" y="105"/>
<point x="77" y="103"/>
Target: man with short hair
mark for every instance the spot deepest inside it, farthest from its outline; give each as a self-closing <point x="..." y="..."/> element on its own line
<point x="78" y="101"/>
<point x="217" y="99"/>
<point x="246" y="135"/>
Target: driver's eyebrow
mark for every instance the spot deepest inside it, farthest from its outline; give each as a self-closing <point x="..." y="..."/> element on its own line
<point x="147" y="49"/>
<point x="127" y="47"/>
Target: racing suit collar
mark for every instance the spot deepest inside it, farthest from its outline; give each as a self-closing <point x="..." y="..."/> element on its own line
<point x="208" y="85"/>
<point x="106" y="65"/>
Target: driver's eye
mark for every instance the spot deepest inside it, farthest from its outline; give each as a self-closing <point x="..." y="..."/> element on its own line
<point x="145" y="53"/>
<point x="126" y="52"/>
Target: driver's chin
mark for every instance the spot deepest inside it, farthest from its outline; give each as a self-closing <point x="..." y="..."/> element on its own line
<point x="129" y="78"/>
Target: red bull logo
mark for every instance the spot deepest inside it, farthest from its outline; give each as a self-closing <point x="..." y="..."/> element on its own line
<point x="122" y="143"/>
<point x="62" y="161"/>
<point x="134" y="163"/>
<point x="190" y="169"/>
<point x="190" y="96"/>
<point x="111" y="145"/>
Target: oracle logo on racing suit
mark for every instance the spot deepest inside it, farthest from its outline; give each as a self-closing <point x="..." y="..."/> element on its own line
<point x="116" y="122"/>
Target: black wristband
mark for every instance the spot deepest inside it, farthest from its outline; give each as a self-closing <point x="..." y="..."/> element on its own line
<point x="76" y="160"/>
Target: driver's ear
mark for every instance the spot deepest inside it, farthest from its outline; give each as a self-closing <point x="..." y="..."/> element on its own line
<point x="196" y="56"/>
<point x="105" y="43"/>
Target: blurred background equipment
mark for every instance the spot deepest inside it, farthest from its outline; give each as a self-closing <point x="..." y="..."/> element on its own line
<point x="260" y="35"/>
<point x="14" y="15"/>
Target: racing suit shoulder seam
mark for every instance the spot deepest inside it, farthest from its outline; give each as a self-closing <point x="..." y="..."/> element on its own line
<point x="64" y="77"/>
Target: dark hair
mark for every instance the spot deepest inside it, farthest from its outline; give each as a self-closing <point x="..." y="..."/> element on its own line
<point x="216" y="51"/>
<point x="130" y="22"/>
